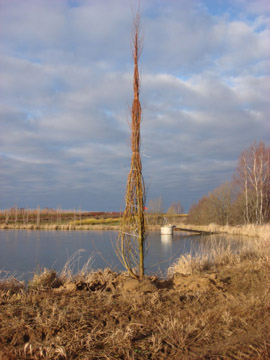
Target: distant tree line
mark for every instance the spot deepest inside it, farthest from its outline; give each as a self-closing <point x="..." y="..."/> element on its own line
<point x="38" y="216"/>
<point x="156" y="214"/>
<point x="244" y="200"/>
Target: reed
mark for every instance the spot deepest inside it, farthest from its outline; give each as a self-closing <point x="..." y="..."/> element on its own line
<point x="251" y="230"/>
<point x="215" y="253"/>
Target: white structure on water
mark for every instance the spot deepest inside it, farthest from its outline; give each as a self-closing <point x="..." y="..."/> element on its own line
<point x="167" y="230"/>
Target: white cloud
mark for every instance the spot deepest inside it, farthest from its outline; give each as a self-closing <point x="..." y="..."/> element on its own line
<point x="66" y="88"/>
<point x="255" y="7"/>
<point x="241" y="47"/>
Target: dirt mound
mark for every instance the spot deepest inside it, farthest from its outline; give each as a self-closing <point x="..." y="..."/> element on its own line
<point x="104" y="315"/>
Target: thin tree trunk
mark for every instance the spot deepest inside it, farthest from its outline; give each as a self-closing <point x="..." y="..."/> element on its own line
<point x="16" y="215"/>
<point x="132" y="233"/>
<point x="38" y="216"/>
<point x="261" y="185"/>
<point x="246" y="191"/>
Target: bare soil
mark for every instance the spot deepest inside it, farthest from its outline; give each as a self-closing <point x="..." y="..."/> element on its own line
<point x="222" y="314"/>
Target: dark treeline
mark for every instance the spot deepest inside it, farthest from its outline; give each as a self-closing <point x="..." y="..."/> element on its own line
<point x="244" y="200"/>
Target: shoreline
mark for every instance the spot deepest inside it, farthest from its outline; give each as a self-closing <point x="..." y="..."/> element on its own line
<point x="89" y="314"/>
<point x="69" y="227"/>
<point x="58" y="227"/>
<point x="251" y="230"/>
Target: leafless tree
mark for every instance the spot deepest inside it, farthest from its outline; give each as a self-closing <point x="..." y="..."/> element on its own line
<point x="253" y="178"/>
<point x="155" y="211"/>
<point x="7" y="215"/>
<point x="222" y="201"/>
<point x="246" y="199"/>
<point x="15" y="214"/>
<point x="132" y="235"/>
<point x="215" y="207"/>
<point x="155" y="206"/>
<point x="38" y="216"/>
<point x="175" y="208"/>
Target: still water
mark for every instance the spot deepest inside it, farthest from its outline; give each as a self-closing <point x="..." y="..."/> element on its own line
<point x="23" y="252"/>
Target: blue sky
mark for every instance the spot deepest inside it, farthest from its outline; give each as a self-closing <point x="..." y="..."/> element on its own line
<point x="66" y="89"/>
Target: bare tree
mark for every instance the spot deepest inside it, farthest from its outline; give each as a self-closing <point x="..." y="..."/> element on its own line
<point x="246" y="200"/>
<point x="58" y="215"/>
<point x="7" y="215"/>
<point x="38" y="216"/>
<point x="80" y="215"/>
<point x="215" y="207"/>
<point x="155" y="206"/>
<point x="132" y="235"/>
<point x="27" y="216"/>
<point x="222" y="201"/>
<point x="155" y="211"/>
<point x="253" y="178"/>
<point x="175" y="208"/>
<point x="201" y="213"/>
<point x="15" y="214"/>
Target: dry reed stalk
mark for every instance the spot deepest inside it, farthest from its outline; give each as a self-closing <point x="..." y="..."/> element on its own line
<point x="251" y="230"/>
<point x="215" y="253"/>
<point x="132" y="235"/>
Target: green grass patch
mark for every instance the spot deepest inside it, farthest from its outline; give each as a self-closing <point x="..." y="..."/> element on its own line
<point x="94" y="221"/>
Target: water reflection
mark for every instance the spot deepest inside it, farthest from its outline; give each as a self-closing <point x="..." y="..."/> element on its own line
<point x="166" y="240"/>
<point x="22" y="252"/>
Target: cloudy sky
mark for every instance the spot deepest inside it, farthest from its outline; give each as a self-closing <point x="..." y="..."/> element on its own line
<point x="66" y="90"/>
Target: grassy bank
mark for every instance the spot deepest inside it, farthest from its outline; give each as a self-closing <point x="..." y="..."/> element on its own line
<point x="49" y="219"/>
<point x="91" y="226"/>
<point x="261" y="231"/>
<point x="213" y="306"/>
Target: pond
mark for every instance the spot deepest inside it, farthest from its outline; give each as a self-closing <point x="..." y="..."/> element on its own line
<point x="23" y="252"/>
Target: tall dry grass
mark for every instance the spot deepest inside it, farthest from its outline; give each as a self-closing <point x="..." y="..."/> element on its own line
<point x="214" y="253"/>
<point x="8" y="282"/>
<point x="252" y="230"/>
<point x="87" y="226"/>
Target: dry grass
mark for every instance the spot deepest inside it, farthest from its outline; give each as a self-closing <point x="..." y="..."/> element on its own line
<point x="90" y="226"/>
<point x="9" y="283"/>
<point x="218" y="309"/>
<point x="262" y="231"/>
<point x="215" y="253"/>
